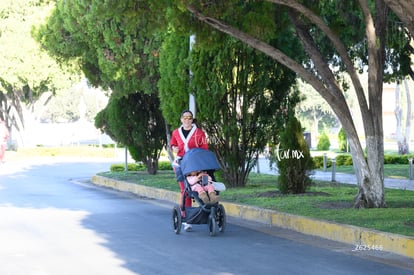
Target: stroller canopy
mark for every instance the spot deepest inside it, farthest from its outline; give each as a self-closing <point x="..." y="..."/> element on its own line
<point x="198" y="159"/>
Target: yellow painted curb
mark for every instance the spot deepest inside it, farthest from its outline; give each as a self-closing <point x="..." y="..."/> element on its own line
<point x="141" y="190"/>
<point x="361" y="238"/>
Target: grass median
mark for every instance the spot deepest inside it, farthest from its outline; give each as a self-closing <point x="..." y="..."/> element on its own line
<point x="324" y="200"/>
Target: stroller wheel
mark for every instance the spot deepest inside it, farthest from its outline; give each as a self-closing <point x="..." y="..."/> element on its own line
<point x="212" y="224"/>
<point x="176" y="219"/>
<point x="221" y="218"/>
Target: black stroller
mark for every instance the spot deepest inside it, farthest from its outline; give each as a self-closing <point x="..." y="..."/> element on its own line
<point x="213" y="215"/>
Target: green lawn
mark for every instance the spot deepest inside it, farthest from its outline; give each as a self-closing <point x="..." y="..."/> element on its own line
<point x="324" y="200"/>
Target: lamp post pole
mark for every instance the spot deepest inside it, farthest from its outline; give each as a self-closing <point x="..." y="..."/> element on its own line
<point x="192" y="100"/>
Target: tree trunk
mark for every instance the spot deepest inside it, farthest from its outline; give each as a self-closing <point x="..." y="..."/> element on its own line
<point x="152" y="166"/>
<point x="168" y="134"/>
<point x="315" y="127"/>
<point x="371" y="177"/>
<point x="401" y="142"/>
<point x="408" y="117"/>
<point x="404" y="9"/>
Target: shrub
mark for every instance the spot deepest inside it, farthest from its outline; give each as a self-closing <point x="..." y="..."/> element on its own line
<point x="397" y="159"/>
<point x="120" y="167"/>
<point x="131" y="167"/>
<point x="318" y="162"/>
<point x="323" y="143"/>
<point x="164" y="165"/>
<point x="344" y="160"/>
<point x="342" y="141"/>
<point x="294" y="159"/>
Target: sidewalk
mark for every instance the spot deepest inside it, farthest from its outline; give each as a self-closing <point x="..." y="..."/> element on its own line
<point x="404" y="184"/>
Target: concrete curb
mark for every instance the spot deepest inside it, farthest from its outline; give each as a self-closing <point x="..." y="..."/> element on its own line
<point x="362" y="238"/>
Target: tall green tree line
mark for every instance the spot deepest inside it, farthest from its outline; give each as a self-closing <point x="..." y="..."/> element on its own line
<point x="243" y="103"/>
<point x="337" y="36"/>
<point x="114" y="54"/>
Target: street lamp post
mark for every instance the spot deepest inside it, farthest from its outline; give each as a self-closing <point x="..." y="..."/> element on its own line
<point x="192" y="100"/>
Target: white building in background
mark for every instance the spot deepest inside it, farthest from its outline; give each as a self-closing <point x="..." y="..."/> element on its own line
<point x="65" y="134"/>
<point x="38" y="133"/>
<point x="389" y="118"/>
<point x="388" y="109"/>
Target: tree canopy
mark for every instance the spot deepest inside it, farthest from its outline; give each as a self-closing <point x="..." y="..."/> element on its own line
<point x="242" y="102"/>
<point x="136" y="122"/>
<point x="108" y="42"/>
<point x="337" y="36"/>
<point x="115" y="51"/>
<point x="26" y="70"/>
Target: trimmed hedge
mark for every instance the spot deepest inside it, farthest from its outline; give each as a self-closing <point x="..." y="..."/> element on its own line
<point x="346" y="160"/>
<point x="120" y="167"/>
<point x="341" y="160"/>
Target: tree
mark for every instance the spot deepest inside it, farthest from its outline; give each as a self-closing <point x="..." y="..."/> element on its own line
<point x="174" y="80"/>
<point x="404" y="9"/>
<point x="329" y="50"/>
<point x="111" y="44"/>
<point x="403" y="140"/>
<point x="242" y="99"/>
<point x="116" y="51"/>
<point x="293" y="159"/>
<point x="323" y="144"/>
<point x="240" y="94"/>
<point x="26" y="72"/>
<point x="336" y="36"/>
<point x="63" y="106"/>
<point x="343" y="141"/>
<point x="174" y="83"/>
<point x="136" y="122"/>
<point x="314" y="110"/>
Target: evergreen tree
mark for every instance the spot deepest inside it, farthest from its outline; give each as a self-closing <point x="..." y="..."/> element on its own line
<point x="136" y="122"/>
<point x="174" y="76"/>
<point x="293" y="159"/>
<point x="342" y="140"/>
<point x="323" y="143"/>
<point x="241" y="98"/>
<point x="116" y="49"/>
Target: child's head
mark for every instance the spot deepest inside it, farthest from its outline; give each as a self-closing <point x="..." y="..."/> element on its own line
<point x="196" y="173"/>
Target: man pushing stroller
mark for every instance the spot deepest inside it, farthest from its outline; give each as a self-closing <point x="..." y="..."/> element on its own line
<point x="196" y="170"/>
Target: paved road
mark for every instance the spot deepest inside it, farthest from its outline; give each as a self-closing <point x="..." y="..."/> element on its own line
<point x="52" y="221"/>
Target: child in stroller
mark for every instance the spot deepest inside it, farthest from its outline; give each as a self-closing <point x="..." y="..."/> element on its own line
<point x="202" y="183"/>
<point x="196" y="169"/>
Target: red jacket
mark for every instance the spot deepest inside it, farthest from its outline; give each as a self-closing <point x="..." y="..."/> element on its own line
<point x="195" y="139"/>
